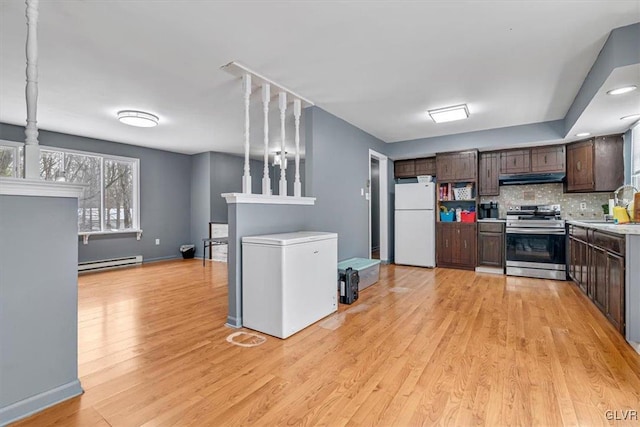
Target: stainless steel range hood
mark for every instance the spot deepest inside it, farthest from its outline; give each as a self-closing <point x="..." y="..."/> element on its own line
<point x="531" y="178"/>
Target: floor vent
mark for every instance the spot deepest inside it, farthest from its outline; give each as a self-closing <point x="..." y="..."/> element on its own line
<point x="110" y="263"/>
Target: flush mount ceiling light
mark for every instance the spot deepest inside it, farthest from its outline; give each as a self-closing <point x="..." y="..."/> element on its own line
<point x="583" y="134"/>
<point x="631" y="117"/>
<point x="449" y="114"/>
<point x="138" y="118"/>
<point x="621" y="90"/>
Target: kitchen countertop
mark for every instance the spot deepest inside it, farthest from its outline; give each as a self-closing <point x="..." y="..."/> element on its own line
<point x="610" y="227"/>
<point x="492" y="220"/>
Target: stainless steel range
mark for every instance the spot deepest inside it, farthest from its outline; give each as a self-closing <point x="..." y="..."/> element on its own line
<point x="536" y="242"/>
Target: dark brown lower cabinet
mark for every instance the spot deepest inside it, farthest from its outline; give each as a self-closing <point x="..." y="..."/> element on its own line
<point x="615" y="296"/>
<point x="456" y="245"/>
<point x="598" y="276"/>
<point x="491" y="244"/>
<point x="597" y="266"/>
<point x="578" y="253"/>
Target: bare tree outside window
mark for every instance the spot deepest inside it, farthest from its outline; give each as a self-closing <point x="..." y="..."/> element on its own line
<point x="51" y="164"/>
<point x="107" y="203"/>
<point x="85" y="170"/>
<point x="7" y="161"/>
<point x="118" y="197"/>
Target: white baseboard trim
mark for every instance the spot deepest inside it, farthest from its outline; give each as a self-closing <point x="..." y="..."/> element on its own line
<point x="490" y="270"/>
<point x="39" y="402"/>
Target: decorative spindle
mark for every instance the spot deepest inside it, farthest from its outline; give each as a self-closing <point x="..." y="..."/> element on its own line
<point x="283" y="177"/>
<point x="32" y="151"/>
<point x="246" y="178"/>
<point x="266" y="97"/>
<point x="297" y="110"/>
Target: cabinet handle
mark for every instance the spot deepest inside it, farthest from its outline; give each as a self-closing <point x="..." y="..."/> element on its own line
<point x="545" y="159"/>
<point x="488" y="173"/>
<point x="579" y="166"/>
<point x="465" y="244"/>
<point x="514" y="161"/>
<point x="446" y="243"/>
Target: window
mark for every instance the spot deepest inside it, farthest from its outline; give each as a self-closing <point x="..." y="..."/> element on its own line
<point x="110" y="199"/>
<point x="635" y="156"/>
<point x="10" y="158"/>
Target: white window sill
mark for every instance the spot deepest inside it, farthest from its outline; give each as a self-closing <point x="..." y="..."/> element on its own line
<point x="85" y="234"/>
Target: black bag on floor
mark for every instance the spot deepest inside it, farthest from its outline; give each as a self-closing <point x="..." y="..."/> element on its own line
<point x="349" y="286"/>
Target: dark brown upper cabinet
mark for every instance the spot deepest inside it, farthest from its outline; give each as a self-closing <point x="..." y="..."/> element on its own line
<point x="414" y="167"/>
<point x="515" y="161"/>
<point x="445" y="170"/>
<point x="426" y="166"/>
<point x="404" y="168"/>
<point x="462" y="166"/>
<point x="548" y="159"/>
<point x="489" y="172"/>
<point x="596" y="164"/>
<point x="466" y="165"/>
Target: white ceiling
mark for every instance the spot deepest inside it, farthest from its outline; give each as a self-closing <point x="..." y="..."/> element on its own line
<point x="377" y="64"/>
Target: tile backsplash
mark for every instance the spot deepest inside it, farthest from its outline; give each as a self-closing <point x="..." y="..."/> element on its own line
<point x="550" y="194"/>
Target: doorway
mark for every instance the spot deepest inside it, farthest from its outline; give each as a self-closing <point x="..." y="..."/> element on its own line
<point x="378" y="207"/>
<point x="375" y="208"/>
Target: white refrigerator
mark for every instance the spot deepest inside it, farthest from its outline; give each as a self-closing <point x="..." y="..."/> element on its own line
<point x="415" y="224"/>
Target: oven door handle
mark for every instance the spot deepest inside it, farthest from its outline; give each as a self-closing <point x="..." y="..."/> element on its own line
<point x="554" y="232"/>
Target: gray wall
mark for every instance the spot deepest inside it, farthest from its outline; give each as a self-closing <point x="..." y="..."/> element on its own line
<point x="290" y="173"/>
<point x="226" y="177"/>
<point x="375" y="203"/>
<point x="164" y="197"/>
<point x="200" y="199"/>
<point x="485" y="140"/>
<point x="38" y="303"/>
<point x="337" y="167"/>
<point x="253" y="220"/>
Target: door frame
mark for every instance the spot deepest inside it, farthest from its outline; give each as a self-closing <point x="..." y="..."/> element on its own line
<point x="384" y="204"/>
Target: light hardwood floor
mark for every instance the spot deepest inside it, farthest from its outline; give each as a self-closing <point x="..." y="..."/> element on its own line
<point x="421" y="347"/>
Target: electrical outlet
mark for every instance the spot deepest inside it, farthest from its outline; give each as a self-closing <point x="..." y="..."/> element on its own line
<point x="362" y="191"/>
<point x="583" y="206"/>
<point x="157" y="241"/>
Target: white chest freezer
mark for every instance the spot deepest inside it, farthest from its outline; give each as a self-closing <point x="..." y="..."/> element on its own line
<point x="288" y="281"/>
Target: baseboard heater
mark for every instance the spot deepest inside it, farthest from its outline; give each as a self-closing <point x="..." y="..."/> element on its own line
<point x="110" y="263"/>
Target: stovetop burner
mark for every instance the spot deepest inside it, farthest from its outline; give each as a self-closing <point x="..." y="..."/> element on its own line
<point x="534" y="212"/>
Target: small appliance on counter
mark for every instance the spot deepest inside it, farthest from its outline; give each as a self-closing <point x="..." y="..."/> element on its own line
<point x="488" y="210"/>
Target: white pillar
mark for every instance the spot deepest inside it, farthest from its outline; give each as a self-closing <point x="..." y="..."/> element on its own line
<point x="283" y="177"/>
<point x="266" y="97"/>
<point x="246" y="178"/>
<point x="297" y="110"/>
<point x="31" y="149"/>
